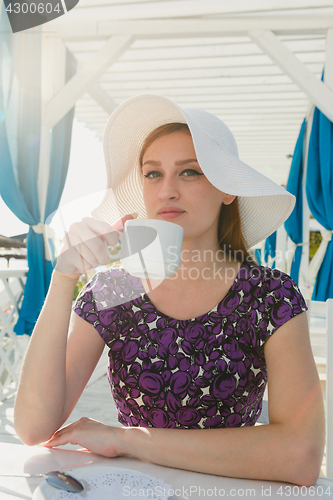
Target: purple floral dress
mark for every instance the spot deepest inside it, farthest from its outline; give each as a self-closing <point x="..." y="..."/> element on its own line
<point x="200" y="373"/>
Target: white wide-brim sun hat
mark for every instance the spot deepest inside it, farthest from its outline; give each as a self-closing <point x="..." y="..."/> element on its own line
<point x="263" y="204"/>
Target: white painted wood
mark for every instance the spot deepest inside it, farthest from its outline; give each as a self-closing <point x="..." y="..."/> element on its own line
<point x="329" y="390"/>
<point x="11" y="349"/>
<point x="208" y="56"/>
<point x="85" y="29"/>
<point x="175" y="63"/>
<point x="186" y="8"/>
<point x="222" y="51"/>
<point x="53" y="78"/>
<point x="102" y="98"/>
<point x="304" y="280"/>
<point x="189" y="41"/>
<point x="209" y="73"/>
<point x="316" y="90"/>
<point x="328" y="76"/>
<point x="281" y="249"/>
<point x="210" y="93"/>
<point x="87" y="75"/>
<point x="217" y="83"/>
<point x="206" y="99"/>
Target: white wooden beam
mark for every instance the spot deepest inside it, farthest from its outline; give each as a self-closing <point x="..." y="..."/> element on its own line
<point x="160" y="28"/>
<point x="87" y="75"/>
<point x="102" y="98"/>
<point x="186" y="8"/>
<point x="211" y="92"/>
<point x="328" y="76"/>
<point x="318" y="92"/>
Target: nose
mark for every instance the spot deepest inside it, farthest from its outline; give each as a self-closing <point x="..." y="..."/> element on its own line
<point x="169" y="189"/>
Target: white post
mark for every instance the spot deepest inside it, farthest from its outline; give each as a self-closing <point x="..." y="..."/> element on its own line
<point x="281" y="248"/>
<point x="304" y="281"/>
<point x="53" y="79"/>
<point x="329" y="388"/>
<point x="328" y="77"/>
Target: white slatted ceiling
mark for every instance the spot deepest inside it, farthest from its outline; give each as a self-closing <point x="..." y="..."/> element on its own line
<point x="228" y="75"/>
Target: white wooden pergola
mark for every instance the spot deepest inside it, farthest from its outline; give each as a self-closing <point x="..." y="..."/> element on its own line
<point x="257" y="65"/>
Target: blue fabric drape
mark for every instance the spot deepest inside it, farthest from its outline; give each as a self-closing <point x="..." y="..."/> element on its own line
<point x="319" y="192"/>
<point x="294" y="223"/>
<point x="20" y="127"/>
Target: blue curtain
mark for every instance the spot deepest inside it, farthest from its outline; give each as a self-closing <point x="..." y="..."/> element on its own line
<point x="294" y="223"/>
<point x="20" y="127"/>
<point x="319" y="192"/>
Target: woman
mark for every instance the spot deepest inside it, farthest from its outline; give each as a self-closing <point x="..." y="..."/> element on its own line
<point x="188" y="354"/>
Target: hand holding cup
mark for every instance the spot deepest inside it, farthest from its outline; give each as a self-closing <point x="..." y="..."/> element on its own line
<point x="84" y="245"/>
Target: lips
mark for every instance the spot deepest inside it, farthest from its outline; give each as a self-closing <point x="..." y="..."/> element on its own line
<point x="170" y="210"/>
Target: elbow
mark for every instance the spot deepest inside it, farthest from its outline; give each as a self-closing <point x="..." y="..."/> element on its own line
<point x="30" y="434"/>
<point x="306" y="463"/>
<point x="31" y="438"/>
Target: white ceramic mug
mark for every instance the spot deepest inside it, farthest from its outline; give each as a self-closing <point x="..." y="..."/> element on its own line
<point x="150" y="248"/>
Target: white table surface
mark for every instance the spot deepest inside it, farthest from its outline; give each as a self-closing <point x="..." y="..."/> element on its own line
<point x="16" y="459"/>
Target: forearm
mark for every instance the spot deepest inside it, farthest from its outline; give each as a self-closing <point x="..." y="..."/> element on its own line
<point x="41" y="396"/>
<point x="267" y="452"/>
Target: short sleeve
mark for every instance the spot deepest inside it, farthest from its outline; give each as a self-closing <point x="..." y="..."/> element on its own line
<point x="99" y="301"/>
<point x="281" y="300"/>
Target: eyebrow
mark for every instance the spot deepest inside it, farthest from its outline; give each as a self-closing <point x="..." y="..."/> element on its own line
<point x="179" y="163"/>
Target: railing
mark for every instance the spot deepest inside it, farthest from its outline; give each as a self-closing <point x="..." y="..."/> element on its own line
<point x="12" y="347"/>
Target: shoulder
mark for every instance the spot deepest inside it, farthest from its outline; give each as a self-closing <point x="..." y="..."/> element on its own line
<point x="271" y="282"/>
<point x="275" y="297"/>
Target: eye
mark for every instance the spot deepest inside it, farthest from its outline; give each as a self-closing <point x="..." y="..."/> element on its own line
<point x="148" y="174"/>
<point x="192" y="172"/>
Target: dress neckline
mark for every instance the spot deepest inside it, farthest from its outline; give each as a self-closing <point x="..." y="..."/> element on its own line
<point x="204" y="314"/>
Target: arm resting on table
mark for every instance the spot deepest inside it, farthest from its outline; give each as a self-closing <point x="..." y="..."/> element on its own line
<point x="57" y="366"/>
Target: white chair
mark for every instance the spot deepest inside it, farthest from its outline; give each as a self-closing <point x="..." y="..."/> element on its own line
<point x="320" y="317"/>
<point x="11" y="346"/>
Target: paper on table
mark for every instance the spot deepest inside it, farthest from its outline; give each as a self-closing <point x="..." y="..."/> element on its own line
<point x="119" y="483"/>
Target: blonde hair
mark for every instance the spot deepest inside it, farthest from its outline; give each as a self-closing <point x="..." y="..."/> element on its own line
<point x="229" y="233"/>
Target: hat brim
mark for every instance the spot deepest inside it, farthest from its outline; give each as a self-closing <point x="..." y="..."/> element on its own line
<point x="263" y="204"/>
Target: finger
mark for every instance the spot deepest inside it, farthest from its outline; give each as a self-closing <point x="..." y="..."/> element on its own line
<point x="93" y="233"/>
<point x="59" y="441"/>
<point x="119" y="224"/>
<point x="93" y="247"/>
<point x="61" y="436"/>
<point x="86" y="244"/>
<point x="102" y="229"/>
<point x="106" y="230"/>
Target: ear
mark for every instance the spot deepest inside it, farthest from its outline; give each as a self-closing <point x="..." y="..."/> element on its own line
<point x="229" y="198"/>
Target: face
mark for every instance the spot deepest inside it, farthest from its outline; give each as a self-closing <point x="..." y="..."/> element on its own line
<point x="173" y="179"/>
